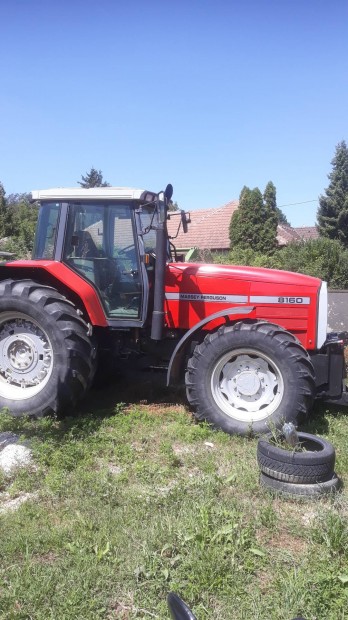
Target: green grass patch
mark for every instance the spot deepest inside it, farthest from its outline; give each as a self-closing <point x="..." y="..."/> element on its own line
<point x="130" y="502"/>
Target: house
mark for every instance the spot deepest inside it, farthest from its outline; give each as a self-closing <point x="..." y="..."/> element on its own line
<point x="209" y="231"/>
<point x="307" y="233"/>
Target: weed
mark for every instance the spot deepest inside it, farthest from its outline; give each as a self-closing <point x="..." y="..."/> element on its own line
<point x="331" y="530"/>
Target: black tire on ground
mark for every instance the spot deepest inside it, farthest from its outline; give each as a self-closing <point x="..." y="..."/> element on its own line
<point x="178" y="608"/>
<point x="315" y="464"/>
<point x="250" y="377"/>
<point x="47" y="359"/>
<point x="288" y="488"/>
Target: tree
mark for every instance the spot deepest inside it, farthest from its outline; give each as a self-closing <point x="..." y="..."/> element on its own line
<point x="254" y="223"/>
<point x="333" y="206"/>
<point x="93" y="178"/>
<point x="6" y="215"/>
<point x="270" y="198"/>
<point x="173" y="206"/>
<point x="18" y="219"/>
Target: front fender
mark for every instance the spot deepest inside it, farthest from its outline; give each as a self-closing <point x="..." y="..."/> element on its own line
<point x="181" y="348"/>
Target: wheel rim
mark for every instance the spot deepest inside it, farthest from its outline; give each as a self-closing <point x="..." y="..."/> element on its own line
<point x="247" y="385"/>
<point x="26" y="356"/>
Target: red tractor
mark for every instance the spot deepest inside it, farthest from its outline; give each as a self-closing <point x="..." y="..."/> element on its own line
<point x="250" y="344"/>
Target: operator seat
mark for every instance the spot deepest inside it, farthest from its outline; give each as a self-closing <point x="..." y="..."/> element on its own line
<point x="85" y="247"/>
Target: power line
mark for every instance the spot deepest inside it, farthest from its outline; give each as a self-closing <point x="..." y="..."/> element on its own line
<point x="292" y="204"/>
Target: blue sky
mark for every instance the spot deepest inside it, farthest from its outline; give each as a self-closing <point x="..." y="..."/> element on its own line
<point x="207" y="95"/>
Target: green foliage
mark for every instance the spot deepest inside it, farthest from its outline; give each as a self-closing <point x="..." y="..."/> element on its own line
<point x="333" y="206"/>
<point x="5" y="215"/>
<point x="18" y="219"/>
<point x="322" y="258"/>
<point x="254" y="223"/>
<point x="93" y="178"/>
<point x="331" y="530"/>
<point x="270" y="199"/>
<point x="247" y="256"/>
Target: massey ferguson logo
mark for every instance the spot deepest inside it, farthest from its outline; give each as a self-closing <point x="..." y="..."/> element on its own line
<point x="238" y="299"/>
<point x="205" y="297"/>
<point x="201" y="297"/>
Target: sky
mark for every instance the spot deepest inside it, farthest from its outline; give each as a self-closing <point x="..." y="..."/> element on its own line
<point x="209" y="95"/>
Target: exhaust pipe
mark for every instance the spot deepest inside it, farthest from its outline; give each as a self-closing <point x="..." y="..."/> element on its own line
<point x="157" y="324"/>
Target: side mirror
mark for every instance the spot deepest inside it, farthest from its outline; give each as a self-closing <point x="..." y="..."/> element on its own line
<point x="185" y="220"/>
<point x="178" y="609"/>
<point x="168" y="192"/>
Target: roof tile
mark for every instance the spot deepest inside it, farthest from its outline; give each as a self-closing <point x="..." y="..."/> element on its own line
<point x="209" y="229"/>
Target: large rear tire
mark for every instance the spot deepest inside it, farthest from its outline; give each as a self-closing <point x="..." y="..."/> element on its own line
<point x="249" y="378"/>
<point x="47" y="359"/>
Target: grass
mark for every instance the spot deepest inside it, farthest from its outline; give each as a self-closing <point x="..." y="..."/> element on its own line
<point x="132" y="501"/>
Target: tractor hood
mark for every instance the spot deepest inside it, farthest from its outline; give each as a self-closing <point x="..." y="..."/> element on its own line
<point x="194" y="292"/>
<point x="246" y="274"/>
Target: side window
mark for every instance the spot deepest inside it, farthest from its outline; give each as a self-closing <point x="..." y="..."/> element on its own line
<point x="123" y="243"/>
<point x="86" y="234"/>
<point x="45" y="238"/>
<point x="148" y="219"/>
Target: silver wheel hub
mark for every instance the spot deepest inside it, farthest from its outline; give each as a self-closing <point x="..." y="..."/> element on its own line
<point x="26" y="357"/>
<point x="21" y="354"/>
<point x="247" y="385"/>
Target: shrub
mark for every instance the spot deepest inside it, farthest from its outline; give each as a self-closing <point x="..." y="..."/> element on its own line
<point x="322" y="258"/>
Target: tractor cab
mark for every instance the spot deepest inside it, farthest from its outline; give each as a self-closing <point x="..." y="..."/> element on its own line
<point x="109" y="237"/>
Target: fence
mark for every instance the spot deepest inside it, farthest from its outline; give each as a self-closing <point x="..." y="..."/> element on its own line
<point x="338" y="311"/>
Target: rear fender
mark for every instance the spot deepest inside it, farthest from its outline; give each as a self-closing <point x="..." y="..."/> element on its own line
<point x="231" y="315"/>
<point x="64" y="280"/>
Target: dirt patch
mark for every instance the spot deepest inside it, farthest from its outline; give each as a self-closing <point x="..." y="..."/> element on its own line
<point x="48" y="558"/>
<point x="180" y="449"/>
<point x="11" y="504"/>
<point x="285" y="541"/>
<point x="265" y="580"/>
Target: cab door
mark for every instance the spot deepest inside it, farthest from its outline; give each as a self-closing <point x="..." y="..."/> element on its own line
<point x="102" y="246"/>
<point x="125" y="295"/>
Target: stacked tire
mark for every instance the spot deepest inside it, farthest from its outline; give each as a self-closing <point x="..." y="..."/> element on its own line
<point x="308" y="471"/>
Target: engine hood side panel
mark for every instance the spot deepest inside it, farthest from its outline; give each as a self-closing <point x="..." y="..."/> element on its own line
<point x="194" y="291"/>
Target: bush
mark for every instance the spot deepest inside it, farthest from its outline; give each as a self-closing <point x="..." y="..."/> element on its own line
<point x="322" y="258"/>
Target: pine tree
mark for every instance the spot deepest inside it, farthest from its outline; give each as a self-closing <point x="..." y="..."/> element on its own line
<point x="254" y="223"/>
<point x="270" y="198"/>
<point x="333" y="206"/>
<point x="93" y="178"/>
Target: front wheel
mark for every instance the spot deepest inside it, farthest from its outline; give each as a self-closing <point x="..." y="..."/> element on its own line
<point x="250" y="378"/>
<point x="47" y="359"/>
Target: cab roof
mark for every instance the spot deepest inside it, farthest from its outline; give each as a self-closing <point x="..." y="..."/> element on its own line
<point x="93" y="193"/>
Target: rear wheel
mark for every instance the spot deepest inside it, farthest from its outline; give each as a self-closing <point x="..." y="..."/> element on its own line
<point x="47" y="359"/>
<point x="250" y="377"/>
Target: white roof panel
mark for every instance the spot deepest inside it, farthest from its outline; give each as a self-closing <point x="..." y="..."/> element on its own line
<point x="80" y="193"/>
